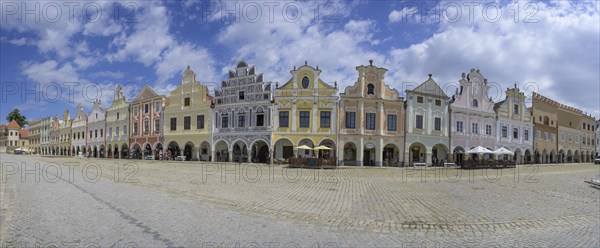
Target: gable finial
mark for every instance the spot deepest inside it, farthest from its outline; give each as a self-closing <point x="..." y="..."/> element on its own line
<point x="371" y="62"/>
<point x="430" y="75"/>
<point x="305" y="62"/>
<point x="188" y="67"/>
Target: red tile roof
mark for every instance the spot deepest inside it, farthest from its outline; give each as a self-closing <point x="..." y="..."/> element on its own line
<point x="13" y="124"/>
<point x="24" y="133"/>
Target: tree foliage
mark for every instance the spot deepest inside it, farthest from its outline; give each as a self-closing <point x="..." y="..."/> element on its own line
<point x="16" y="115"/>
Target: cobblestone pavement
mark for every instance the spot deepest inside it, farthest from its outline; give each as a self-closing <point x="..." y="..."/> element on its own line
<point x="126" y="203"/>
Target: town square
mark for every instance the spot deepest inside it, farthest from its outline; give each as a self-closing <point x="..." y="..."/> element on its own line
<point x="302" y="123"/>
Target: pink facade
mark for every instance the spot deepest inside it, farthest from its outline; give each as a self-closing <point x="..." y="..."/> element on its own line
<point x="146" y="124"/>
<point x="472" y="116"/>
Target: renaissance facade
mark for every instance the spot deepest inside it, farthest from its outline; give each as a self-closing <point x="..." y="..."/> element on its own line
<point x="146" y="121"/>
<point x="242" y="117"/>
<point x="371" y="121"/>
<point x="305" y="110"/>
<point x="117" y="126"/>
<point x="188" y="120"/>
<point x="515" y="125"/>
<point x="368" y="124"/>
<point x="427" y="128"/>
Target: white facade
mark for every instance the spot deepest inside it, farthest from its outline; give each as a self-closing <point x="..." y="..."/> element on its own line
<point x="426" y="124"/>
<point x="597" y="143"/>
<point x="45" y="137"/>
<point x="473" y="120"/>
<point x="96" y="130"/>
<point x="78" y="129"/>
<point x="515" y="125"/>
<point x="242" y="115"/>
<point x="117" y="126"/>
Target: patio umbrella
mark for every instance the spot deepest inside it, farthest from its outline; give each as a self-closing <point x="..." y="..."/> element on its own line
<point x="321" y="148"/>
<point x="304" y="147"/>
<point x="503" y="151"/>
<point x="479" y="150"/>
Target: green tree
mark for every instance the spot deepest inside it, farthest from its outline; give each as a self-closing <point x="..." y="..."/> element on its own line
<point x="16" y="115"/>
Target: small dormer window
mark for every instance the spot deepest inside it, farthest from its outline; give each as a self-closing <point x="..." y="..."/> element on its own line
<point x="475" y="103"/>
<point x="305" y="82"/>
<point x="370" y="89"/>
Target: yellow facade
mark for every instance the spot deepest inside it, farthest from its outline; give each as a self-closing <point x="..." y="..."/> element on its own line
<point x="305" y="113"/>
<point x="188" y="120"/>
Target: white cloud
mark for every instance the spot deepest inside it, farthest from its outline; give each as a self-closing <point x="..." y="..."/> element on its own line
<point x="402" y="15"/>
<point x="149" y="38"/>
<point x="177" y="58"/>
<point x="276" y="47"/>
<point x="107" y="74"/>
<point x="558" y="53"/>
<point x="50" y="71"/>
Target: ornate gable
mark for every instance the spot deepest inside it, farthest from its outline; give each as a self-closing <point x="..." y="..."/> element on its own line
<point x="146" y="93"/>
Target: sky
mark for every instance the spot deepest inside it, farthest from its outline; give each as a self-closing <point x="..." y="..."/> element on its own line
<point x="55" y="54"/>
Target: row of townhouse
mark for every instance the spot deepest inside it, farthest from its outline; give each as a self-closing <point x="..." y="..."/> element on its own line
<point x="369" y="123"/>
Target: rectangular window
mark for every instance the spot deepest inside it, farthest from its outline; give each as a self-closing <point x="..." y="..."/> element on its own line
<point x="241" y="95"/>
<point x="304" y="118"/>
<point x="117" y="133"/>
<point x="146" y="109"/>
<point x="135" y="127"/>
<point x="325" y="119"/>
<point x="562" y="136"/>
<point x="392" y="122"/>
<point x="199" y="121"/>
<point x="260" y="120"/>
<point x="187" y="122"/>
<point x="157" y="106"/>
<point x="241" y="120"/>
<point x="419" y="122"/>
<point x="101" y="133"/>
<point x="95" y="133"/>
<point x="516" y="109"/>
<point x="109" y="132"/>
<point x="545" y="135"/>
<point x="224" y="121"/>
<point x="569" y="137"/>
<point x="284" y="118"/>
<point x="350" y="119"/>
<point x="552" y="137"/>
<point x="419" y="99"/>
<point x="488" y="130"/>
<point x="186" y="102"/>
<point x="504" y="132"/>
<point x="515" y="133"/>
<point x="526" y="134"/>
<point x="475" y="128"/>
<point x="173" y="124"/>
<point x="370" y="121"/>
<point x="146" y="127"/>
<point x="459" y="126"/>
<point x="437" y="124"/>
<point x="438" y="102"/>
<point x="135" y="111"/>
<point x="157" y="125"/>
<point x="124" y="129"/>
